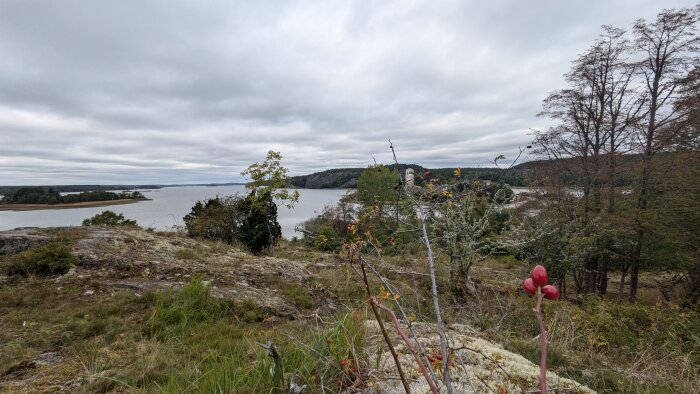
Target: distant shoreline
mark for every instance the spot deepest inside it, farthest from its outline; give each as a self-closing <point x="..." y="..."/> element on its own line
<point x="85" y="204"/>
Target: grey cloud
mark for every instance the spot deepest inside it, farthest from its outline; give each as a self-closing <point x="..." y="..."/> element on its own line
<point x="191" y="91"/>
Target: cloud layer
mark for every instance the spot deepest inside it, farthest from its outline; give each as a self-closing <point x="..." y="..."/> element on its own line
<point x="194" y="91"/>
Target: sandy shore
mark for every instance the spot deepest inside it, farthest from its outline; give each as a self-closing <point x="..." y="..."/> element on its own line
<point x="87" y="204"/>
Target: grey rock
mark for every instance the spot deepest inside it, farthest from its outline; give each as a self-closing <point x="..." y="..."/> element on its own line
<point x="20" y="239"/>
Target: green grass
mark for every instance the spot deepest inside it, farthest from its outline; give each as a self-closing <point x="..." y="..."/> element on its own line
<point x="177" y="313"/>
<point x="220" y="353"/>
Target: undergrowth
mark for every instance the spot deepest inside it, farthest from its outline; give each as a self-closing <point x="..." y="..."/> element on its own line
<point x="219" y="352"/>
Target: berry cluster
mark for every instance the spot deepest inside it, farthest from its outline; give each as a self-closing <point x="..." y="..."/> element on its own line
<point x="538" y="279"/>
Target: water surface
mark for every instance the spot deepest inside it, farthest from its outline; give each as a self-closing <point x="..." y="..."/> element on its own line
<point x="168" y="206"/>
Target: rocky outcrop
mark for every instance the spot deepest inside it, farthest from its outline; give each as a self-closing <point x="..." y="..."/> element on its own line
<point x="18" y="240"/>
<point x="149" y="261"/>
<point x="480" y="366"/>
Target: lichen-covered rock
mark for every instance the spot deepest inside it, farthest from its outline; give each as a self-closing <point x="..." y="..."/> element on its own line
<point x="20" y="239"/>
<point x="478" y="366"/>
<point x="148" y="261"/>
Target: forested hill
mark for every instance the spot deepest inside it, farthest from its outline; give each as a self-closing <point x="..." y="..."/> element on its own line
<point x="520" y="175"/>
<point x="627" y="167"/>
<point x="347" y="177"/>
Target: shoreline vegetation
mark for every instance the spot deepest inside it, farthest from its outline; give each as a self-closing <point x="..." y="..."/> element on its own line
<point x="37" y="197"/>
<point x="84" y="204"/>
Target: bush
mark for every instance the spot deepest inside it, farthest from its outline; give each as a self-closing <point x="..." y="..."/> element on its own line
<point x="251" y="221"/>
<point x="327" y="240"/>
<point x="328" y="229"/>
<point x="260" y="229"/>
<point x="50" y="259"/>
<point x="217" y="218"/>
<point x="108" y="218"/>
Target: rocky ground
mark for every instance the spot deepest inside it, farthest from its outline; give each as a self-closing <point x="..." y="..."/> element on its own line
<point x="138" y="261"/>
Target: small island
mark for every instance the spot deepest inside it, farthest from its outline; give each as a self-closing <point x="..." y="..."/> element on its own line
<point x="36" y="197"/>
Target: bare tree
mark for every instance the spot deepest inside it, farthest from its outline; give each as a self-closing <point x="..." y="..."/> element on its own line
<point x="594" y="115"/>
<point x="668" y="49"/>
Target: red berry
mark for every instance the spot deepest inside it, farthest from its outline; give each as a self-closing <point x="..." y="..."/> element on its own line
<point x="550" y="292"/>
<point x="431" y="359"/>
<point x="539" y="275"/>
<point x="439" y="357"/>
<point x="529" y="286"/>
<point x="427" y="173"/>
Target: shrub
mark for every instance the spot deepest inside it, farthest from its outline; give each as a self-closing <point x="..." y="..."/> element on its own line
<point x="251" y="221"/>
<point x="327" y="240"/>
<point x="327" y="230"/>
<point x="50" y="259"/>
<point x="216" y="218"/>
<point x="108" y="218"/>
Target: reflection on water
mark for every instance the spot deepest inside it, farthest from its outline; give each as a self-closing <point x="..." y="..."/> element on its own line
<point x="168" y="206"/>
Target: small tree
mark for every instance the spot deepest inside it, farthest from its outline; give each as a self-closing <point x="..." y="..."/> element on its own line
<point x="268" y="182"/>
<point x="270" y="177"/>
<point x="376" y="185"/>
<point x="259" y="230"/>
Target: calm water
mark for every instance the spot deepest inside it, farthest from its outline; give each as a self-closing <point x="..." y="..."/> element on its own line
<point x="168" y="206"/>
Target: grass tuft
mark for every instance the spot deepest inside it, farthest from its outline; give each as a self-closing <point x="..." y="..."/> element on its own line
<point x="54" y="258"/>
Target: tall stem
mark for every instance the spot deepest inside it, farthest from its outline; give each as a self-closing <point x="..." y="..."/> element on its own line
<point x="543" y="343"/>
<point x="436" y="304"/>
<point x="377" y="316"/>
<point x="416" y="355"/>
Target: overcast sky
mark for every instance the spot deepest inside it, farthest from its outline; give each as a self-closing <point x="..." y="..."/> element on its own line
<point x="194" y="91"/>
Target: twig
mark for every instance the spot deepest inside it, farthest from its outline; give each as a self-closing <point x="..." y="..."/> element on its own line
<point x="408" y="272"/>
<point x="393" y="291"/>
<point x="399" y="369"/>
<point x="416" y="355"/>
<point x="277" y="359"/>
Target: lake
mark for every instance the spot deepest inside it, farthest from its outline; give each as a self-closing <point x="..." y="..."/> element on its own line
<point x="169" y="205"/>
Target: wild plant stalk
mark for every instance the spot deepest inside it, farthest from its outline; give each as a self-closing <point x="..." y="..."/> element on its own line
<point x="543" y="343"/>
<point x="447" y="380"/>
<point x="377" y="316"/>
<point x="416" y="355"/>
<point x="436" y="304"/>
<point x="394" y="291"/>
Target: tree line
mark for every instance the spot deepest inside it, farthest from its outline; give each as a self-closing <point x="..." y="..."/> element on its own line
<point x="40" y="195"/>
<point x="634" y="92"/>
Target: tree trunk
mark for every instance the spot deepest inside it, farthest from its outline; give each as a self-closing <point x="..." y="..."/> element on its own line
<point x="621" y="289"/>
<point x="641" y="207"/>
<point x="562" y="285"/>
<point x="611" y="182"/>
<point x="603" y="277"/>
<point x="578" y="281"/>
<point x="590" y="275"/>
<point x="634" y="282"/>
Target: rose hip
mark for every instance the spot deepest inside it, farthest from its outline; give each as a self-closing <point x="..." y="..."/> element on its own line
<point x="550" y="292"/>
<point x="529" y="286"/>
<point x="539" y="276"/>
